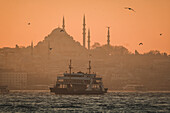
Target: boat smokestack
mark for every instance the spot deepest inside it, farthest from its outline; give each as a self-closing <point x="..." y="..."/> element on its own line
<point x="70" y="66"/>
<point x="89" y="67"/>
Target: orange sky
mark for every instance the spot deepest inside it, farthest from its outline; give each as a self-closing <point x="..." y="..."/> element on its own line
<point x="152" y="17"/>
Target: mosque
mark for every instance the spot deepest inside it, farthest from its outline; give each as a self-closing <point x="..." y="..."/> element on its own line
<point x="88" y="37"/>
<point x="58" y="41"/>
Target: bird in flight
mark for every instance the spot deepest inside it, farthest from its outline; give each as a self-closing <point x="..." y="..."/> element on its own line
<point x="130" y="9"/>
<point x="140" y="43"/>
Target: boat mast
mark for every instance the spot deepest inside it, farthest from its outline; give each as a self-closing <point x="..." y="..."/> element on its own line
<point x="70" y="66"/>
<point x="89" y="67"/>
<point x="70" y="70"/>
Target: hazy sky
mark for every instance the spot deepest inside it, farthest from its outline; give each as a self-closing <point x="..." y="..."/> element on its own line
<point x="128" y="28"/>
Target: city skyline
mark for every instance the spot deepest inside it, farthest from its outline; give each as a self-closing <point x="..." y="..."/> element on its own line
<point x="84" y="56"/>
<point x="127" y="28"/>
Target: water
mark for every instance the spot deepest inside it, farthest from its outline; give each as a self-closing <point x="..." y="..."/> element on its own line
<point x="34" y="101"/>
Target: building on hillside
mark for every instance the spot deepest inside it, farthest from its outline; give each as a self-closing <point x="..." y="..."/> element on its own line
<point x="14" y="80"/>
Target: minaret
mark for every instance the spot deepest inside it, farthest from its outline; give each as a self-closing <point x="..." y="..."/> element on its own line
<point x="32" y="48"/>
<point x="108" y="37"/>
<point x="63" y="24"/>
<point x="84" y="32"/>
<point x="88" y="39"/>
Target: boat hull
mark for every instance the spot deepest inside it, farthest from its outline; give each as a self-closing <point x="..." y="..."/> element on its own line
<point x="65" y="91"/>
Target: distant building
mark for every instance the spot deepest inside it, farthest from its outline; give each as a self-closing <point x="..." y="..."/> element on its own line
<point x="14" y="80"/>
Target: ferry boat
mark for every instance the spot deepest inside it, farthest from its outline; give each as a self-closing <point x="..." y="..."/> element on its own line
<point x="79" y="83"/>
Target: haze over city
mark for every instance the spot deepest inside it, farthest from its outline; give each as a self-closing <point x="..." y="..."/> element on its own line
<point x="85" y="56"/>
<point x="127" y="28"/>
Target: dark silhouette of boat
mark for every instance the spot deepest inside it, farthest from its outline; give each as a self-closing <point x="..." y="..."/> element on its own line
<point x="79" y="83"/>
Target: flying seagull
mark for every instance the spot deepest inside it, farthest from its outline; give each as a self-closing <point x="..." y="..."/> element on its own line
<point x="140" y="43"/>
<point x="130" y="9"/>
